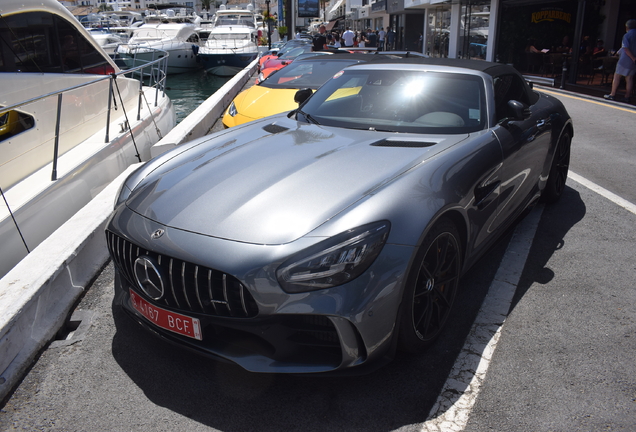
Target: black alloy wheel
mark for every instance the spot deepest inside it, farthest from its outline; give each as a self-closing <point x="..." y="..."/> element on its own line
<point x="559" y="170"/>
<point x="431" y="288"/>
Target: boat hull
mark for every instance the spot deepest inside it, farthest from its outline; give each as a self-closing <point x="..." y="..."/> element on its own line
<point x="180" y="59"/>
<point x="226" y="64"/>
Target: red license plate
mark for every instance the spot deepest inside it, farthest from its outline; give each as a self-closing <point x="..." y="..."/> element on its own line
<point x="174" y="322"/>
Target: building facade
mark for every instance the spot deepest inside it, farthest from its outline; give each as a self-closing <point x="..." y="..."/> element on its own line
<point x="495" y="30"/>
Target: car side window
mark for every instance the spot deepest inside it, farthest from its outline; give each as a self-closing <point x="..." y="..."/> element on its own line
<point x="508" y="87"/>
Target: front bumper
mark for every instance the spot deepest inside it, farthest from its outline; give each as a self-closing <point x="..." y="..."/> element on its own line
<point x="264" y="329"/>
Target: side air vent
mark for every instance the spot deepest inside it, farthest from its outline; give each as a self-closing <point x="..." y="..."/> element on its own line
<point x="395" y="143"/>
<point x="273" y="128"/>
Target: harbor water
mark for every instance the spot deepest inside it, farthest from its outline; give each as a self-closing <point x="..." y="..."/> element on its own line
<point x="188" y="90"/>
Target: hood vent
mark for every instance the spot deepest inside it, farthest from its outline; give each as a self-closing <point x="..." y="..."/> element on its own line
<point x="274" y="128"/>
<point x="396" y="143"/>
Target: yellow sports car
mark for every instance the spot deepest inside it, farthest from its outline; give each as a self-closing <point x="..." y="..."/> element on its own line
<point x="275" y="94"/>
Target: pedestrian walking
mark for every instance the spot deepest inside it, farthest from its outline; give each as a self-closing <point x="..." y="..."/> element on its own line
<point x="626" y="66"/>
<point x="390" y="39"/>
<point x="348" y="37"/>
<point x="319" y="41"/>
<point x="381" y="39"/>
<point x="372" y="39"/>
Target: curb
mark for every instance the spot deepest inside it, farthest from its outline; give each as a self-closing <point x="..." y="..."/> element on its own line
<point x="37" y="295"/>
<point x="539" y="87"/>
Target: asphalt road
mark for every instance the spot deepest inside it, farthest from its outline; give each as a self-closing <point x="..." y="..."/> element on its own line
<point x="564" y="358"/>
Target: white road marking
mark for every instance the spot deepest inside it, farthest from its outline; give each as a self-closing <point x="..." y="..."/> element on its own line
<point x="452" y="408"/>
<point x="603" y="192"/>
<point x="454" y="404"/>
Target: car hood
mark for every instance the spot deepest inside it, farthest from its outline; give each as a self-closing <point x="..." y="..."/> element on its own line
<point x="274" y="182"/>
<point x="258" y="102"/>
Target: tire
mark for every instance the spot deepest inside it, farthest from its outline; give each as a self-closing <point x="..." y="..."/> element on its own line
<point x="558" y="170"/>
<point x="431" y="288"/>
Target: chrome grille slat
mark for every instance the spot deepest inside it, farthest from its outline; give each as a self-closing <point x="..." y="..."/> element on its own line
<point x="130" y="257"/>
<point x="174" y="294"/>
<point x="185" y="277"/>
<point x="243" y="298"/>
<point x="183" y="284"/>
<point x="227" y="303"/>
<point x="196" y="286"/>
<point x="210" y="290"/>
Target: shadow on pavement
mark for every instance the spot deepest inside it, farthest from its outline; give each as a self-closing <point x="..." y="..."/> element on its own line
<point x="557" y="220"/>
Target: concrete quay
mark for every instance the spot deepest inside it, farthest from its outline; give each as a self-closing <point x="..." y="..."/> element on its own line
<point x="38" y="294"/>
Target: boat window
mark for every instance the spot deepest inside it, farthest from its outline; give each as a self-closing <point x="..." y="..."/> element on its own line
<point x="43" y="42"/>
<point x="13" y="122"/>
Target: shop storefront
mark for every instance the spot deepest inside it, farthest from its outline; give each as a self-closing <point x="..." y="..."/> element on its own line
<point x="561" y="40"/>
<point x="504" y="31"/>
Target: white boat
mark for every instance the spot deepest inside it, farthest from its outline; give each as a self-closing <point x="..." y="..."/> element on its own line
<point x="176" y="34"/>
<point x="111" y="29"/>
<point x="70" y="121"/>
<point x="232" y="43"/>
<point x="106" y="39"/>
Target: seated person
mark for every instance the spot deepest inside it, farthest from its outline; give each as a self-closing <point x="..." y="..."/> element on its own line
<point x="531" y="47"/>
<point x="599" y="49"/>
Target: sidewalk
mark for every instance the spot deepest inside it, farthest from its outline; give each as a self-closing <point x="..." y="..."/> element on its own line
<point x="595" y="85"/>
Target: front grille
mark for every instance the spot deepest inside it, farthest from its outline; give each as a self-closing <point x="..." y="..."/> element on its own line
<point x="190" y="287"/>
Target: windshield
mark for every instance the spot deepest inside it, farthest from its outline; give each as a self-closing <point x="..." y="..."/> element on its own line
<point x="306" y="74"/>
<point x="229" y="36"/>
<point x="293" y="53"/>
<point x="400" y="101"/>
<point x="229" y="20"/>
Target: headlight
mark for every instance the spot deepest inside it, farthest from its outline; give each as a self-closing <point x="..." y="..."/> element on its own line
<point x="122" y="195"/>
<point x="335" y="261"/>
<point x="232" y="110"/>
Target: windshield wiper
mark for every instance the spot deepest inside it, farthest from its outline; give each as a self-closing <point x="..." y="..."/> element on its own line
<point x="309" y="118"/>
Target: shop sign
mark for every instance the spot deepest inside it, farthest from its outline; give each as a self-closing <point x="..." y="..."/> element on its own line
<point x="551" y="15"/>
<point x="378" y="6"/>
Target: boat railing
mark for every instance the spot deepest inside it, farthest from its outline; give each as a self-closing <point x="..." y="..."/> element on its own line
<point x="149" y="73"/>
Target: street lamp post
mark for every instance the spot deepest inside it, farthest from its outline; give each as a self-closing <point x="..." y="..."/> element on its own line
<point x="269" y="27"/>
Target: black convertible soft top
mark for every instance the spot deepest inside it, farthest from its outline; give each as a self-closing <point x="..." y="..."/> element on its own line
<point x="490" y="68"/>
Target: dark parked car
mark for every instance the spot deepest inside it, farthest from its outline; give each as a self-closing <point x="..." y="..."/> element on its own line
<point x="326" y="238"/>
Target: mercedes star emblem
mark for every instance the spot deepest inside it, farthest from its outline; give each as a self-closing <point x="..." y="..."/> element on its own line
<point x="149" y="277"/>
<point x="158" y="233"/>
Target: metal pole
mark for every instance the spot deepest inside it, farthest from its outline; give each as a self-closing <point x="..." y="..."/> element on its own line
<point x="57" y="137"/>
<point x="110" y="103"/>
<point x="269" y="27"/>
<point x="564" y="72"/>
<point x="576" y="43"/>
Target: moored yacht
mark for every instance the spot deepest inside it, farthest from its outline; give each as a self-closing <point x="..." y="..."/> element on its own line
<point x="106" y="39"/>
<point x="232" y="43"/>
<point x="176" y="34"/>
<point x="70" y="121"/>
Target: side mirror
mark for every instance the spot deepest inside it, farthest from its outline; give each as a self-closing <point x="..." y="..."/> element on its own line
<point x="519" y="110"/>
<point x="302" y="95"/>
